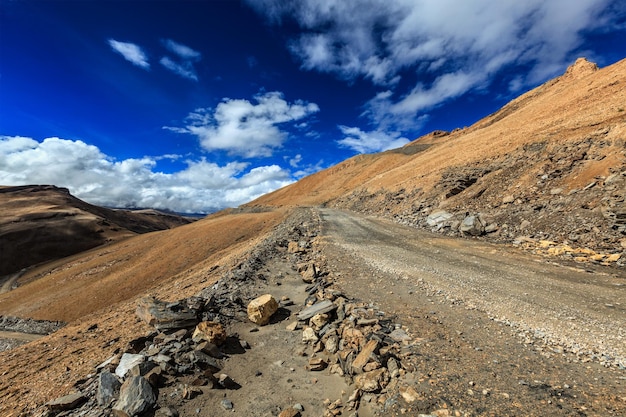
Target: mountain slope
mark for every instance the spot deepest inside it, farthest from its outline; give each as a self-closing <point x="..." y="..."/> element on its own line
<point x="73" y="287"/>
<point x="40" y="223"/>
<point x="551" y="164"/>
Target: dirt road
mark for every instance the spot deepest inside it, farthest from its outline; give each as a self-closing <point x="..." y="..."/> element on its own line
<point x="550" y="336"/>
<point x="6" y="282"/>
<point x="26" y="337"/>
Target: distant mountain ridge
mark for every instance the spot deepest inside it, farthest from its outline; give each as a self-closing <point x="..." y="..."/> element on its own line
<point x="43" y="222"/>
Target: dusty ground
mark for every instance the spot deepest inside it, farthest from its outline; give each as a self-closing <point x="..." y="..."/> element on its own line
<point x="482" y="346"/>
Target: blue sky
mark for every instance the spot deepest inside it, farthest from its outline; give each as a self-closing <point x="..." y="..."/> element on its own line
<point x="197" y="106"/>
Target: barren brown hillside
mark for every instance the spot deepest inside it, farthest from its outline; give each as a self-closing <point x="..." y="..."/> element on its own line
<point x="550" y="165"/>
<point x="42" y="222"/>
<point x="417" y="324"/>
<point x="73" y="287"/>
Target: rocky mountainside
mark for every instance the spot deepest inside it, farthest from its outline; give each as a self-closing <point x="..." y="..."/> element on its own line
<point x="547" y="171"/>
<point x="165" y="323"/>
<point x="42" y="222"/>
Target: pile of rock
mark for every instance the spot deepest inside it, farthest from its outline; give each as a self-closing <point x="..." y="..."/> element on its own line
<point x="128" y="383"/>
<point x="357" y="341"/>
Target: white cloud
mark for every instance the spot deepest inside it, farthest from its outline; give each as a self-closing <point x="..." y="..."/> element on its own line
<point x="243" y="128"/>
<point x="443" y="48"/>
<point x="95" y="177"/>
<point x="130" y="52"/>
<point x="446" y="86"/>
<point x="295" y="161"/>
<point x="186" y="57"/>
<point x="368" y="142"/>
<point x="185" y="69"/>
<point x="183" y="51"/>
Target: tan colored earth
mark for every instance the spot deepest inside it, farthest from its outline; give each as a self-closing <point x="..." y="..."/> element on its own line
<point x="494" y="337"/>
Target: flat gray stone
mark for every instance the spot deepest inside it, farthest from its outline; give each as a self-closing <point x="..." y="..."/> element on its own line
<point x="67" y="402"/>
<point x="318" y="308"/>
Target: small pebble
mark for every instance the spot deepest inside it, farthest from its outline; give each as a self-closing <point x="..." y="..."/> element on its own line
<point x="227" y="404"/>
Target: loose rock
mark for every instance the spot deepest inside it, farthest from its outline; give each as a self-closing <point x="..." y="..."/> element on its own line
<point x="128" y="361"/>
<point x="136" y="397"/>
<point x="318" y="308"/>
<point x="68" y="402"/>
<point x="108" y="388"/>
<point x="211" y="332"/>
<point x="261" y="309"/>
<point x="165" y="316"/>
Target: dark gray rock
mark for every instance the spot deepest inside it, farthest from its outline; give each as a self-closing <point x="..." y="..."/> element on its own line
<point x="136" y="397"/>
<point x="108" y="388"/>
<point x="227" y="382"/>
<point x="204" y="361"/>
<point x="318" y="308"/>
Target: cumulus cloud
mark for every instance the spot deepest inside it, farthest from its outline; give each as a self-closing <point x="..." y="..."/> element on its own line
<point x="244" y="128"/>
<point x="130" y="52"/>
<point x="368" y="142"/>
<point x="201" y="187"/>
<point x="183" y="64"/>
<point x="443" y="49"/>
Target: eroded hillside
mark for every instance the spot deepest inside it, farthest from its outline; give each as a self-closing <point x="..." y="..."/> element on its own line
<point x="547" y="171"/>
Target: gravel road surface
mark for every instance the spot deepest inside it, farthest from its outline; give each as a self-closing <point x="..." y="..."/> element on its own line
<point x="517" y="323"/>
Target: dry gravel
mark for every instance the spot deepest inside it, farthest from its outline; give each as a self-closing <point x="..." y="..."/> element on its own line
<point x="503" y="331"/>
